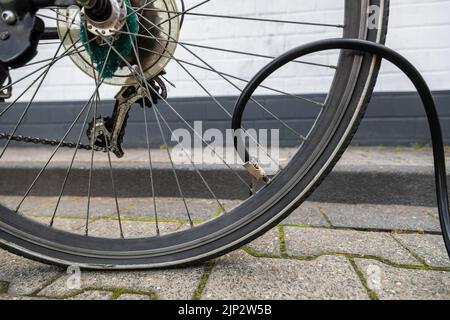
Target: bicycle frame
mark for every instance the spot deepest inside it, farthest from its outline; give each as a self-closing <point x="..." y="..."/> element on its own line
<point x="21" y="30"/>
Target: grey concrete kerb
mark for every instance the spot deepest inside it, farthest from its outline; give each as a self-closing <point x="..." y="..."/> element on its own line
<point x="364" y="175"/>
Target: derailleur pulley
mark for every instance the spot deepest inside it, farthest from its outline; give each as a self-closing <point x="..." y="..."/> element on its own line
<point x="106" y="134"/>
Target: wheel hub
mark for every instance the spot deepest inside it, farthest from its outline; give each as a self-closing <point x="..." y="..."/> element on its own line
<point x="159" y="28"/>
<point x="111" y="24"/>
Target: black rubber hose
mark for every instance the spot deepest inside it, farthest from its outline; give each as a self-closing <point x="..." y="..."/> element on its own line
<point x="409" y="70"/>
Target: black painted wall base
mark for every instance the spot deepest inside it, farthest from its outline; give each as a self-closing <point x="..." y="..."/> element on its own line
<point x="392" y="119"/>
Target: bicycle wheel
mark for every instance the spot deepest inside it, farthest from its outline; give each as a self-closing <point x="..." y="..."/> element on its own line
<point x="139" y="54"/>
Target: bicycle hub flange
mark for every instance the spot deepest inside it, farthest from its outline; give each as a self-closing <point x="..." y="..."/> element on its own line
<point x="105" y="17"/>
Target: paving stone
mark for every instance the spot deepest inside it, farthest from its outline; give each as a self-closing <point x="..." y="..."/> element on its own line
<point x="405" y="284"/>
<point x="383" y="217"/>
<point x="133" y="297"/>
<point x="430" y="248"/>
<point x="66" y="224"/>
<point x="174" y="209"/>
<point x="241" y="276"/>
<point x="69" y="206"/>
<point x="131" y="229"/>
<point x="267" y="244"/>
<point x="314" y="241"/>
<point x="93" y="295"/>
<point x="6" y="297"/>
<point x="24" y="276"/>
<point x="307" y="214"/>
<point x="31" y="276"/>
<point x="166" y="284"/>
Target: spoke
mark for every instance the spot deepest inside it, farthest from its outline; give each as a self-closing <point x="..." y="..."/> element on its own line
<point x="162" y="134"/>
<point x="174" y="171"/>
<point x="53" y="18"/>
<point x="171" y="131"/>
<point x="88" y="212"/>
<point x="54" y="152"/>
<point x="91" y="167"/>
<point x="192" y="162"/>
<point x="222" y="107"/>
<point x="150" y="163"/>
<point x="180" y="14"/>
<point x="113" y="185"/>
<point x="208" y="93"/>
<point x="57" y="148"/>
<point x="199" y="136"/>
<point x="176" y="113"/>
<point x="58" y="14"/>
<point x="27" y="76"/>
<point x="299" y="135"/>
<point x="168" y="81"/>
<point x="21" y="95"/>
<point x="63" y="17"/>
<point x="302" y="137"/>
<point x="147" y="135"/>
<point x="50" y="59"/>
<point x="233" y="77"/>
<point x="38" y="62"/>
<point x="209" y="15"/>
<point x="41" y="81"/>
<point x="48" y="43"/>
<point x="137" y="9"/>
<point x="92" y="107"/>
<point x="66" y="178"/>
<point x="52" y="62"/>
<point x="68" y="52"/>
<point x="256" y="55"/>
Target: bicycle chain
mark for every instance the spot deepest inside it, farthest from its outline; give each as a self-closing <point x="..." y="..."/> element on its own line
<point x="47" y="142"/>
<point x="79" y="146"/>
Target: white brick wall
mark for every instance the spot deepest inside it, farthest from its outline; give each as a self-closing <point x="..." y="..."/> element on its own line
<point x="418" y="29"/>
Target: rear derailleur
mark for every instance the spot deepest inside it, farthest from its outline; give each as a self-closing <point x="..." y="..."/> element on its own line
<point x="5" y="83"/>
<point x="107" y="133"/>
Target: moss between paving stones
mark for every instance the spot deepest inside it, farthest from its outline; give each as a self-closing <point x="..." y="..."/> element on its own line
<point x="372" y="294"/>
<point x="257" y="254"/>
<point x="282" y="240"/>
<point x="204" y="280"/>
<point x="324" y="215"/>
<point x="119" y="292"/>
<point x="393" y="231"/>
<point x="116" y="293"/>
<point x="414" y="254"/>
<point x="4" y="286"/>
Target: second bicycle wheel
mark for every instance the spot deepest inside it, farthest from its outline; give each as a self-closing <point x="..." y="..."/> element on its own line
<point x="113" y="206"/>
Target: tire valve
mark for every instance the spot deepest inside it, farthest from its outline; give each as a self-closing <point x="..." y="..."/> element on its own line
<point x="255" y="169"/>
